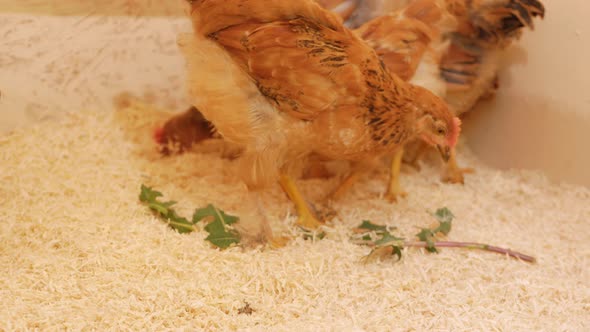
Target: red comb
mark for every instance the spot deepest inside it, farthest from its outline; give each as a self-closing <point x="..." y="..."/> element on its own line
<point x="455" y="131"/>
<point x="158" y="135"/>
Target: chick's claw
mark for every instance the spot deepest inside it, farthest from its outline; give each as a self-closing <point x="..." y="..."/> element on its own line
<point x="306" y="216"/>
<point x="455" y="175"/>
<point x="308" y="221"/>
<point x="279" y="242"/>
<point x="395" y="195"/>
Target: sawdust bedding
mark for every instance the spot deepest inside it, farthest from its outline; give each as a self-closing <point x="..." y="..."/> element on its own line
<point x="78" y="251"/>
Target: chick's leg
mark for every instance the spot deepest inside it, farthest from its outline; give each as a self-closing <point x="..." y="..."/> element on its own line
<point x="453" y="173"/>
<point x="414" y="159"/>
<point x="394" y="189"/>
<point x="359" y="169"/>
<point x="254" y="226"/>
<point x="344" y="186"/>
<point x="307" y="218"/>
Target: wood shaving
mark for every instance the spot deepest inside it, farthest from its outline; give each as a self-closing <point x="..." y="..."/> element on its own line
<point x="79" y="251"/>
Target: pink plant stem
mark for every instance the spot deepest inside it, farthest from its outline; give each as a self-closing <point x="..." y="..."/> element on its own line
<point x="472" y="245"/>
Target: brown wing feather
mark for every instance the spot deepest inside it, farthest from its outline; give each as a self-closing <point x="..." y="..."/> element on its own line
<point x="460" y="67"/>
<point x="304" y="68"/>
<point x="495" y="23"/>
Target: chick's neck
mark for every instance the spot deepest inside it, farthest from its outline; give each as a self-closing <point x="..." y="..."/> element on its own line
<point x="391" y="117"/>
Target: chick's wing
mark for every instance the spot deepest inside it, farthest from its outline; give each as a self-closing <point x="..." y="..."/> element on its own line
<point x="302" y="67"/>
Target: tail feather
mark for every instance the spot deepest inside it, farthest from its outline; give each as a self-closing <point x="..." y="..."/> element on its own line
<point x="460" y="68"/>
<point x="500" y="23"/>
<point x="484" y="26"/>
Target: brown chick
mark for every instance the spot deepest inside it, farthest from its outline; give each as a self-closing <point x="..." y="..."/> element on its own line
<point x="414" y="43"/>
<point x="411" y="42"/>
<point x="483" y="28"/>
<point x="287" y="79"/>
<point x="181" y="131"/>
<point x="470" y="65"/>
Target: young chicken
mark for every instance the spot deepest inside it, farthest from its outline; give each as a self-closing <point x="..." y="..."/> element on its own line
<point x="181" y="131"/>
<point x="286" y="79"/>
<point x="471" y="64"/>
<point x="410" y="41"/>
<point x="450" y="47"/>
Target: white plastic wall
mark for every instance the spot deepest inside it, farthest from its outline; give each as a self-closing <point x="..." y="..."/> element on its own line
<point x="540" y="118"/>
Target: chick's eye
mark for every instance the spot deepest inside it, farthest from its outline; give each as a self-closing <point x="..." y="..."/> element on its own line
<point x="441" y="131"/>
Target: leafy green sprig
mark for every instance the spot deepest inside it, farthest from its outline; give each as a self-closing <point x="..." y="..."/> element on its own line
<point x="383" y="241"/>
<point x="219" y="223"/>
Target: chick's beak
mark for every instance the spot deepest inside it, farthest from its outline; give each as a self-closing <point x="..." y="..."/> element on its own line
<point x="445" y="152"/>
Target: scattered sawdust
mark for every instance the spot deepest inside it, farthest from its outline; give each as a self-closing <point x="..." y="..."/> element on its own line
<point x="78" y="251"/>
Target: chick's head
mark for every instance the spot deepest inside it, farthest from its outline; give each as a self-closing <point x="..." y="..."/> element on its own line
<point x="436" y="123"/>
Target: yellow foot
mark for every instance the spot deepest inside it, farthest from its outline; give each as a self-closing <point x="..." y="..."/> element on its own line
<point x="279" y="242"/>
<point x="394" y="195"/>
<point x="307" y="217"/>
<point x="455" y="175"/>
<point x="309" y="222"/>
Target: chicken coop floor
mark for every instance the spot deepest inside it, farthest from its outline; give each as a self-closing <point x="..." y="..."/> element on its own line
<point x="79" y="251"/>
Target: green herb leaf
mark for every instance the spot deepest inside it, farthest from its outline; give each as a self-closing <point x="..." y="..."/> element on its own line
<point x="367" y="237"/>
<point x="220" y="232"/>
<point x="397" y="250"/>
<point x="426" y="235"/>
<point x="372" y="227"/>
<point x="388" y="240"/>
<point x="212" y="211"/>
<point x="445" y="219"/>
<point x="396" y="244"/>
<point x="310" y="235"/>
<point x="148" y="195"/>
<point x="164" y="210"/>
<point x="182" y="225"/>
<point x="382" y="245"/>
<point x="444" y="215"/>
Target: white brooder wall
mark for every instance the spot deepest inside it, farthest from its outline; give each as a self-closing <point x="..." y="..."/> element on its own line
<point x="63" y="56"/>
<point x="540" y="118"/>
